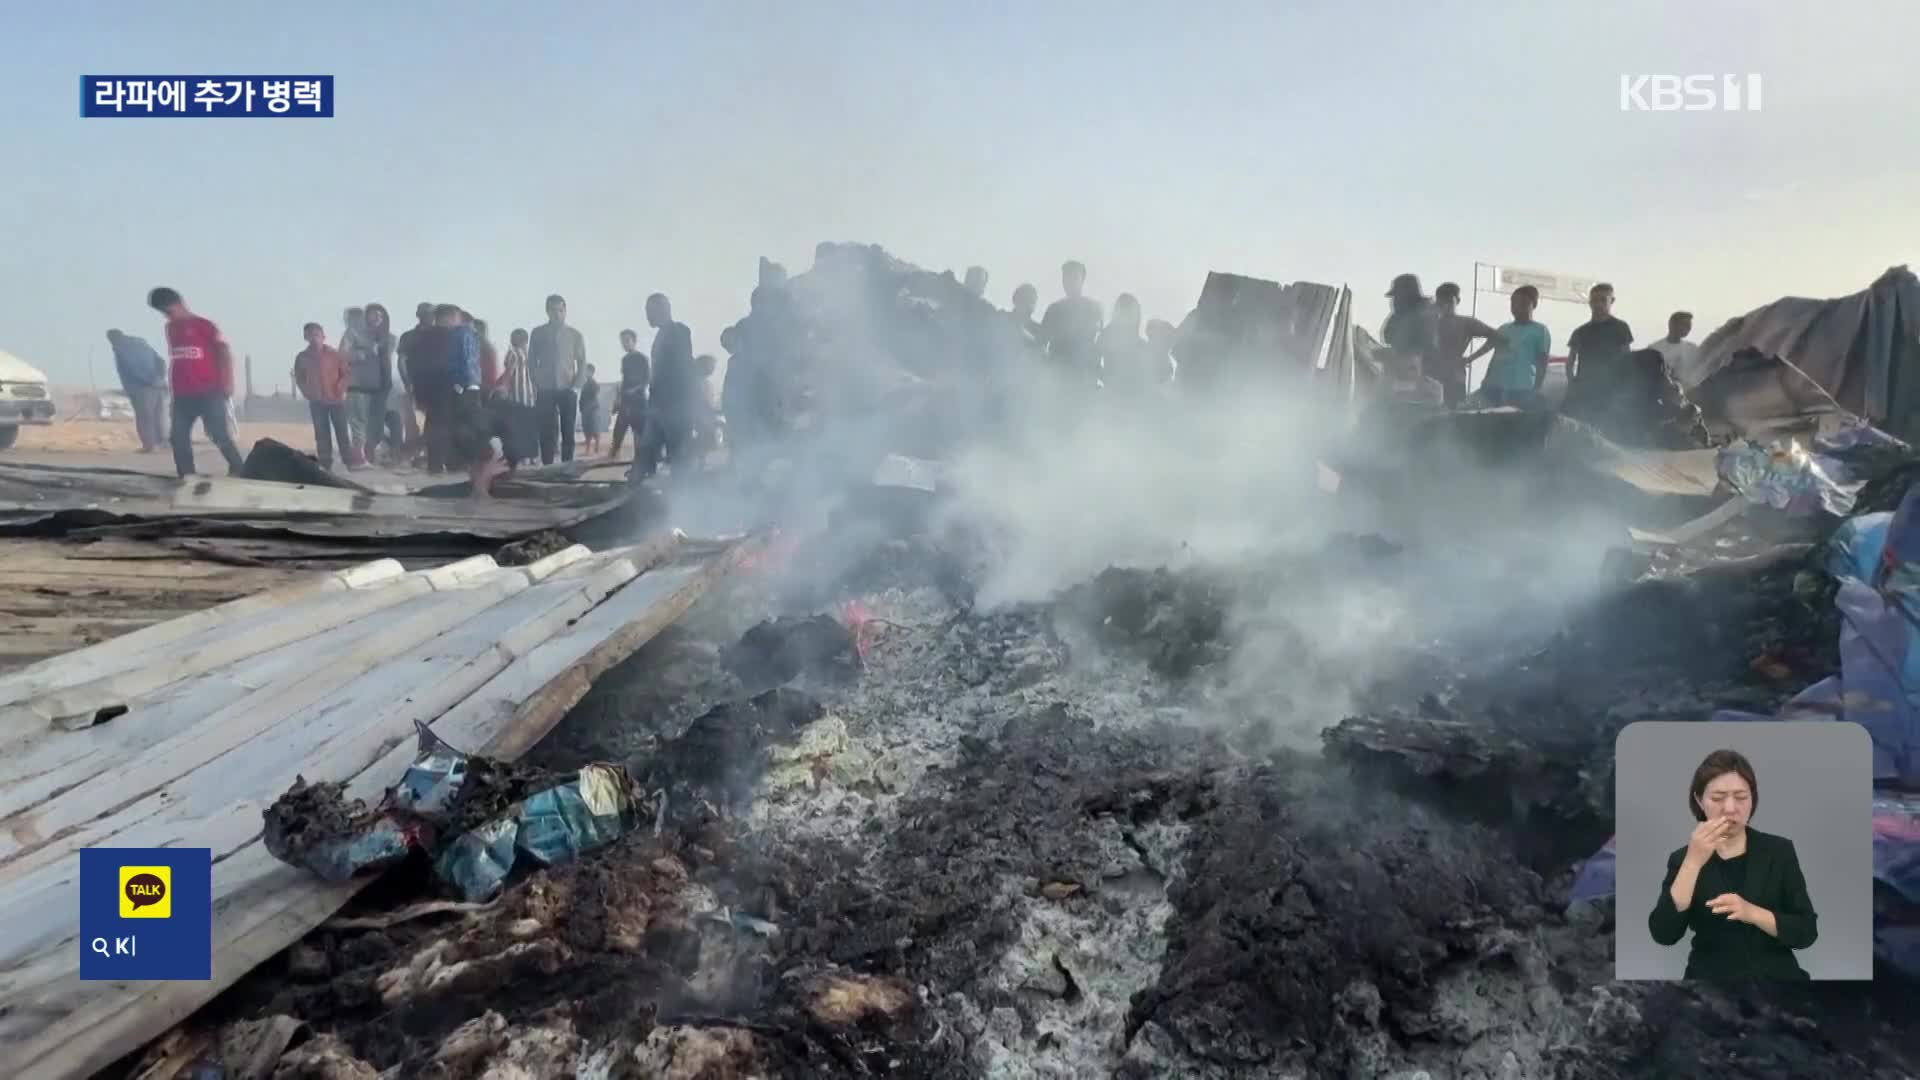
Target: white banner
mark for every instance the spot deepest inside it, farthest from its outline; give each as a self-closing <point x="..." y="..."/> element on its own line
<point x="1551" y="286"/>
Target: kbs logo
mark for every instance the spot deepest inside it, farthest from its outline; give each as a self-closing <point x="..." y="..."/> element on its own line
<point x="1690" y="93"/>
<point x="146" y="892"/>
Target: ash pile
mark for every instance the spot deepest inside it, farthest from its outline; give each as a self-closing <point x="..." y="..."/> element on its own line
<point x="1020" y="765"/>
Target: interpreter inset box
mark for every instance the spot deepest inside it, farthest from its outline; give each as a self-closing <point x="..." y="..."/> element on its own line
<point x="1743" y="850"/>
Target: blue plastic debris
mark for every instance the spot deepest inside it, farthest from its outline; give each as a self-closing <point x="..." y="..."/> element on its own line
<point x="1877" y="559"/>
<point x="589" y="810"/>
<point x="599" y="805"/>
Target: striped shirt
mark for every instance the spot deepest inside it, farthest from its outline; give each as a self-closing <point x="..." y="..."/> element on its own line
<point x="515" y="379"/>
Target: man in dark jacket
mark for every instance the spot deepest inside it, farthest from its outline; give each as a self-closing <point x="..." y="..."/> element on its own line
<point x="143" y="375"/>
<point x="672" y="396"/>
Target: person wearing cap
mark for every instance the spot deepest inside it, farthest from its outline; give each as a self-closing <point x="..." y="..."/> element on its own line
<point x="1456" y="332"/>
<point x="1411" y="330"/>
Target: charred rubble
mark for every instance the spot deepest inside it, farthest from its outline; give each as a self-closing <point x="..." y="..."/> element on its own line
<point x="901" y="835"/>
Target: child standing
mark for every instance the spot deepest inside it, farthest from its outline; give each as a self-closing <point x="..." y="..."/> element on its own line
<point x="592" y="420"/>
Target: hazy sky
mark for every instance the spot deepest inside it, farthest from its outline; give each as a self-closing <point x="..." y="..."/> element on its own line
<point x="488" y="153"/>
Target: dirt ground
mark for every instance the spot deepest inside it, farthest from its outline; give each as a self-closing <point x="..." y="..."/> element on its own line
<point x="113" y="444"/>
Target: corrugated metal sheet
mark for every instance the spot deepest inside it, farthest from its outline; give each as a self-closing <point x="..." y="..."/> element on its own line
<point x="223" y="708"/>
<point x="34" y="499"/>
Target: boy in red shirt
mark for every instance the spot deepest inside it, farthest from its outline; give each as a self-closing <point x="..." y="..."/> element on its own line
<point x="202" y="380"/>
<point x="320" y="375"/>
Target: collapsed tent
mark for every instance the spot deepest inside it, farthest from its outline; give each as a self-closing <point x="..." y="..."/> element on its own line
<point x="1857" y="351"/>
<point x="1875" y="557"/>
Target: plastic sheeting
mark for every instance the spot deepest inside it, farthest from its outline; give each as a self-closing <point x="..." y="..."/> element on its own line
<point x="1876" y="557"/>
<point x="1859" y="349"/>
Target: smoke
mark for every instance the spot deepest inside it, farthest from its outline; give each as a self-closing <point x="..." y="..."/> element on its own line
<point x="1048" y="480"/>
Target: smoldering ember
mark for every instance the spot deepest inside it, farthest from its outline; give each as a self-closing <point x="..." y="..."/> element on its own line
<point x="1261" y="725"/>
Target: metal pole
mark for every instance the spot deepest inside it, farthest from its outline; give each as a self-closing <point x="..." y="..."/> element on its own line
<point x="1474" y="309"/>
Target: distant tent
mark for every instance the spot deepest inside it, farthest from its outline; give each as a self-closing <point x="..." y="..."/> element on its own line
<point x="1862" y="351"/>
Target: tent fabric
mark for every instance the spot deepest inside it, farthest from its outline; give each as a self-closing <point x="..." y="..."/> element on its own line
<point x="1858" y="348"/>
<point x="1758" y="396"/>
<point x="1877" y="559"/>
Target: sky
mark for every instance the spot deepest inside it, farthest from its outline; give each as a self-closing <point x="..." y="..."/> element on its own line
<point x="489" y="153"/>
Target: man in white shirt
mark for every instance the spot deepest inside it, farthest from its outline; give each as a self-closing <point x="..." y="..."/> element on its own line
<point x="1682" y="356"/>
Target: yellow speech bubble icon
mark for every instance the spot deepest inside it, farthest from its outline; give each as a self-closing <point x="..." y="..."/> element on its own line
<point x="146" y="892"/>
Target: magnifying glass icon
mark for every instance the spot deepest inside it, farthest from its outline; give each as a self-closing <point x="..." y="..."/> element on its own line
<point x="99" y="945"/>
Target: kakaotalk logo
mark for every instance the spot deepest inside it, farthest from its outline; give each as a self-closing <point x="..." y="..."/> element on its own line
<point x="1690" y="93"/>
<point x="146" y="892"/>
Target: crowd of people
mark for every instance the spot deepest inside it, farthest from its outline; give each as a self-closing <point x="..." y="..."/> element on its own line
<point x="1433" y="345"/>
<point x="440" y="395"/>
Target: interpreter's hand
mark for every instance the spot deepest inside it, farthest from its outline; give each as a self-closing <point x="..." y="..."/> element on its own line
<point x="1733" y="906"/>
<point x="1706" y="836"/>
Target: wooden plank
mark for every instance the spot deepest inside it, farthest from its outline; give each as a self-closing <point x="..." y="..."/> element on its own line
<point x="90" y="795"/>
<point x="339" y="738"/>
<point x="73" y="669"/>
<point x="78" y="706"/>
<point x="72" y="1029"/>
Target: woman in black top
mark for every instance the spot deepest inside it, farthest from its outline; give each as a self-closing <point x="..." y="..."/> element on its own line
<point x="1738" y="889"/>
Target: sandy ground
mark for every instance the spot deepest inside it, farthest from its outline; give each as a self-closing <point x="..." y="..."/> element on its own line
<point x="113" y="444"/>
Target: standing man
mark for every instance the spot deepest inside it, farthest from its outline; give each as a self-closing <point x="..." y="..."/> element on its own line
<point x="630" y="407"/>
<point x="1519" y="366"/>
<point x="557" y="357"/>
<point x="143" y="375"/>
<point x="1682" y="356"/>
<point x="1071" y="326"/>
<point x="320" y="376"/>
<point x="1457" y="331"/>
<point x="403" y="403"/>
<point x="672" y="402"/>
<point x="1597" y="350"/>
<point x="202" y="381"/>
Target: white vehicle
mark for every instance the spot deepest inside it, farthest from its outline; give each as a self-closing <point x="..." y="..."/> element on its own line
<point x="24" y="398"/>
